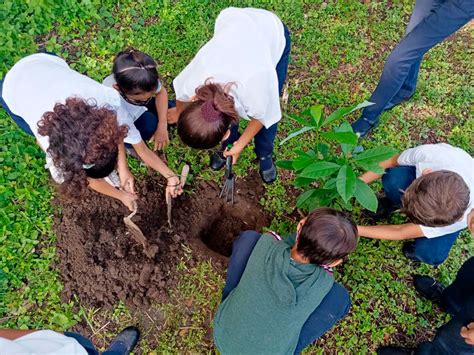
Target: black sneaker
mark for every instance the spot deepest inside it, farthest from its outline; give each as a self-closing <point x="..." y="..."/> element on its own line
<point x="408" y="250"/>
<point x="395" y="350"/>
<point x="362" y="127"/>
<point x="125" y="341"/>
<point x="428" y="287"/>
<point x="269" y="175"/>
<point x="384" y="209"/>
<point x="217" y="160"/>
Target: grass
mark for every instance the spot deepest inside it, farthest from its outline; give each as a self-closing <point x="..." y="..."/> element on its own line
<point x="337" y="56"/>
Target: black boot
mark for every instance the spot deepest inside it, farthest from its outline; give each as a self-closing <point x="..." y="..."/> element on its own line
<point x="429" y="288"/>
<point x="267" y="171"/>
<point x="217" y="160"/>
<point x="125" y="341"/>
<point x="384" y="209"/>
<point x="408" y="250"/>
<point x="394" y="350"/>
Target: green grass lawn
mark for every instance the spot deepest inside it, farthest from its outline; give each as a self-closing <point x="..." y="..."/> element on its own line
<point x="337" y="57"/>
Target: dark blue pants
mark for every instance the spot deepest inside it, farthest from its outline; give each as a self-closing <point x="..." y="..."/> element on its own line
<point x="458" y="300"/>
<point x="264" y="139"/>
<point x="432" y="251"/>
<point x="334" y="306"/>
<point x="432" y="21"/>
<point x="17" y="119"/>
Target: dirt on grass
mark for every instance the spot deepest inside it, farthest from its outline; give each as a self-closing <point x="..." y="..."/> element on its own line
<point x="101" y="263"/>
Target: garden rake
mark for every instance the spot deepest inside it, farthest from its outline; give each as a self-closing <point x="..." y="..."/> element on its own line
<point x="227" y="191"/>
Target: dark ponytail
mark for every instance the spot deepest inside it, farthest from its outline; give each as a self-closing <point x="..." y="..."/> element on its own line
<point x="204" y="122"/>
<point x="83" y="142"/>
<point x="135" y="72"/>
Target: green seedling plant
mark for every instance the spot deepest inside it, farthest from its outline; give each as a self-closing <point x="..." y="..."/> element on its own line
<point x="328" y="172"/>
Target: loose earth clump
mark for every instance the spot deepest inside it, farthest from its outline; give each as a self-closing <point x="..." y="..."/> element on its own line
<point x="101" y="262"/>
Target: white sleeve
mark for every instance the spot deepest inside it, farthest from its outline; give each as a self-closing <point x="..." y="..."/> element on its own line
<point x="433" y="232"/>
<point x="124" y="118"/>
<point x="261" y="99"/>
<point x="182" y="85"/>
<point x="414" y="156"/>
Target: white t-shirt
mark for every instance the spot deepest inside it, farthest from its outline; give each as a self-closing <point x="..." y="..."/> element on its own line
<point x="437" y="157"/>
<point x="129" y="113"/>
<point x="245" y="49"/>
<point x="44" y="342"/>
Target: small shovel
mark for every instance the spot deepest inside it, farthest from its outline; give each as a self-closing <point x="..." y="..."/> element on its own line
<point x="169" y="199"/>
<point x="227" y="191"/>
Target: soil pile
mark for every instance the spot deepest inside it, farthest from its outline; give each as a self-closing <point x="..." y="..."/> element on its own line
<point x="102" y="263"/>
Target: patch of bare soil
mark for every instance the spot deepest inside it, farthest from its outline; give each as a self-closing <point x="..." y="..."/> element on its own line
<point x="101" y="263"/>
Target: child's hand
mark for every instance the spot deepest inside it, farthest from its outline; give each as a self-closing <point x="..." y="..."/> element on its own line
<point x="467" y="333"/>
<point x="174" y="187"/>
<point x="128" y="200"/>
<point x="172" y="115"/>
<point x="127" y="182"/>
<point x="234" y="152"/>
<point x="160" y="139"/>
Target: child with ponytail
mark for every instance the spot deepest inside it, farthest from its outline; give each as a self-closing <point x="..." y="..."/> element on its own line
<point x="144" y="108"/>
<point x="240" y="72"/>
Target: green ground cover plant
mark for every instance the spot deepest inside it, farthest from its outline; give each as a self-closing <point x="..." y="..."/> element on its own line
<point x="337" y="56"/>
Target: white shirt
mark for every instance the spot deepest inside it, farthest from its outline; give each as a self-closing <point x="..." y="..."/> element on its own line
<point x="245" y="49"/>
<point x="129" y="113"/>
<point x="44" y="342"/>
<point x="437" y="157"/>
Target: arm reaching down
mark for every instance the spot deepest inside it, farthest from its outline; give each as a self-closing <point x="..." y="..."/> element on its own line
<point x="370" y="176"/>
<point x="249" y="133"/>
<point x="391" y="232"/>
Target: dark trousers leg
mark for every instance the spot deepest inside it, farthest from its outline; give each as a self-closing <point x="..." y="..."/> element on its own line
<point x="17" y="119"/>
<point x="434" y="251"/>
<point x="282" y="65"/>
<point x="84" y="342"/>
<point x="395" y="181"/>
<point x="333" y="307"/>
<point x="241" y="250"/>
<point x="446" y="19"/>
<point x="461" y="292"/>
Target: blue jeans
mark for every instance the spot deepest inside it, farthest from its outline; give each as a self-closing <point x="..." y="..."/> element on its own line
<point x="17" y="119"/>
<point x="432" y="251"/>
<point x="458" y="300"/>
<point x="333" y="307"/>
<point x="264" y="139"/>
<point x="431" y="22"/>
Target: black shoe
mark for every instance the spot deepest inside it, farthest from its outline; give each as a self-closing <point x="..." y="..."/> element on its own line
<point x="428" y="287"/>
<point x="408" y="250"/>
<point x="269" y="175"/>
<point x="125" y="341"/>
<point x="362" y="127"/>
<point x="217" y="160"/>
<point x="394" y="350"/>
<point x="384" y="209"/>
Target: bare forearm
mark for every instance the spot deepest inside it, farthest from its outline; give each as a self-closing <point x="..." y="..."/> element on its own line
<point x="161" y="103"/>
<point x="250" y="132"/>
<point x="103" y="187"/>
<point x="154" y="162"/>
<point x="370" y="176"/>
<point x="391" y="232"/>
<point x="122" y="158"/>
<point x="12" y="334"/>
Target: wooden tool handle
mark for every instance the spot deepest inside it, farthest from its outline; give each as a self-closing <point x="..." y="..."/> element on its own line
<point x="184" y="175"/>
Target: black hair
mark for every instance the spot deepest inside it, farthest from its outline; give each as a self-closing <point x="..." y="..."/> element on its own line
<point x="327" y="236"/>
<point x="104" y="166"/>
<point x="135" y="72"/>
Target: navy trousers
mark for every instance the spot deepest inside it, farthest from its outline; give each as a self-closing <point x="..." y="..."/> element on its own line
<point x="432" y="251"/>
<point x="264" y="139"/>
<point x="333" y="307"/>
<point x="431" y="22"/>
<point x="458" y="300"/>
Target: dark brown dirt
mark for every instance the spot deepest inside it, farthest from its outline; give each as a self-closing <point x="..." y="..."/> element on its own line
<point x="101" y="262"/>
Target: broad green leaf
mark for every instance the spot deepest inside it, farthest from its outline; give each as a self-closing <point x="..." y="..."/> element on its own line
<point x="302" y="162"/>
<point x="330" y="184"/>
<point x="297" y="133"/>
<point x="346" y="182"/>
<point x="345" y="127"/>
<point x="341" y="137"/>
<point x="299" y="119"/>
<point x="345" y="111"/>
<point x="366" y="196"/>
<point x="319" y="169"/>
<point x="323" y="149"/>
<point x="375" y="155"/>
<point x="316" y="115"/>
<point x="303" y="198"/>
<point x="285" y="164"/>
<point x="374" y="167"/>
<point x="301" y="182"/>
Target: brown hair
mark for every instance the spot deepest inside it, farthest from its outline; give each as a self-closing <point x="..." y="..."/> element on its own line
<point x="327" y="236"/>
<point x="436" y="199"/>
<point x="204" y="122"/>
<point x="83" y="141"/>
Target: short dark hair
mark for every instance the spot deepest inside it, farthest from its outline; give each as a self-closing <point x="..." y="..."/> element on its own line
<point x="135" y="72"/>
<point x="437" y="199"/>
<point x="327" y="236"/>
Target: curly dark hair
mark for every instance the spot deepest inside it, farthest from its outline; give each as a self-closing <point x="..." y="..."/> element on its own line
<point x="81" y="133"/>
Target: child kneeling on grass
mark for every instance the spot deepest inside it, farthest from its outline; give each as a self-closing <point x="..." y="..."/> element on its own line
<point x="280" y="295"/>
<point x="433" y="183"/>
